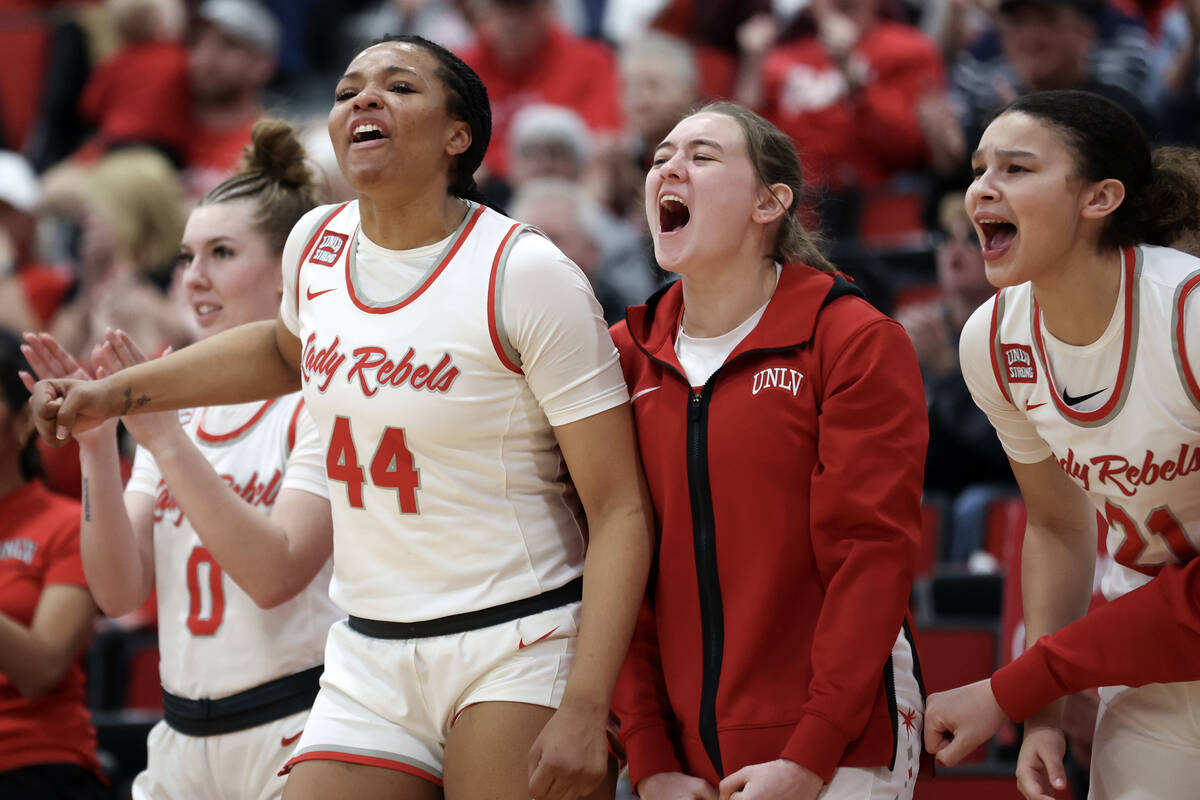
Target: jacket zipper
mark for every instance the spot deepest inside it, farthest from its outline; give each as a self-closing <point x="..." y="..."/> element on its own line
<point x="704" y="545"/>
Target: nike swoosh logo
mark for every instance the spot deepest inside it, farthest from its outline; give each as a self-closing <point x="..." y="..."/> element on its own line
<point x="1071" y="401"/>
<point x="288" y="741"/>
<point x="523" y="644"/>
<point x="311" y="294"/>
<point x="642" y="392"/>
<point x="1031" y="406"/>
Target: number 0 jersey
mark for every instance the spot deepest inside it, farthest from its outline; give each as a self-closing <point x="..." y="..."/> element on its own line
<point x="214" y="640"/>
<point x="434" y="376"/>
<point x="1120" y="415"/>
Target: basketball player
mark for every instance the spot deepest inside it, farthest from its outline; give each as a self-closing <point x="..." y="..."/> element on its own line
<point x="781" y="423"/>
<point x="226" y="514"/>
<point x="471" y="409"/>
<point x="1085" y="362"/>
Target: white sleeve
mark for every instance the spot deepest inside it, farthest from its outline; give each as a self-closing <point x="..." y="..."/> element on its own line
<point x="293" y="249"/>
<point x="305" y="468"/>
<point x="145" y="477"/>
<point x="1016" y="432"/>
<point x="554" y="322"/>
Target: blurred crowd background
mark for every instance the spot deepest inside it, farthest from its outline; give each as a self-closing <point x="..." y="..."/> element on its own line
<point x="116" y="115"/>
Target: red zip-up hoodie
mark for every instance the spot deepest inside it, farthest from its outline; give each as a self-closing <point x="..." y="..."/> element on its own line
<point x="787" y="494"/>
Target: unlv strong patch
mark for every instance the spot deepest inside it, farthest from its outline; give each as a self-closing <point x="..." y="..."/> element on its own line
<point x="1018" y="361"/>
<point x="328" y="249"/>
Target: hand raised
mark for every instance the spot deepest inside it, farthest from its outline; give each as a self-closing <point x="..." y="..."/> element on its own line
<point x="50" y="359"/>
<point x="151" y="431"/>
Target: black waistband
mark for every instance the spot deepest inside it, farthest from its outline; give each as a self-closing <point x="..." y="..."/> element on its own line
<point x="471" y="620"/>
<point x="264" y="703"/>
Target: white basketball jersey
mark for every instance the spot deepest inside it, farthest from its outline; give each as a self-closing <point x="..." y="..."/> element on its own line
<point x="1137" y="454"/>
<point x="213" y="640"/>
<point x="449" y="492"/>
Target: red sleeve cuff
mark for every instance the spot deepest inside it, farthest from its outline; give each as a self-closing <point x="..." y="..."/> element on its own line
<point x="816" y="745"/>
<point x="650" y="752"/>
<point x="1027" y="685"/>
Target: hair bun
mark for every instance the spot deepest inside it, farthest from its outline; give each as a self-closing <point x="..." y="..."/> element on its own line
<point x="275" y="152"/>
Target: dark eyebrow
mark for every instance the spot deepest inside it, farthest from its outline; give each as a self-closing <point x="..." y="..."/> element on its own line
<point x="713" y="143"/>
<point x="1006" y="154"/>
<point x="391" y="69"/>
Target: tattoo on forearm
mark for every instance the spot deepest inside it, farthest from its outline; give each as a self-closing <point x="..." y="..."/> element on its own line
<point x="130" y="403"/>
<point x="87" y="501"/>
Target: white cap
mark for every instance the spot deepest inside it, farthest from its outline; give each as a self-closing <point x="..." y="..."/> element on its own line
<point x="244" y="20"/>
<point x="19" y="185"/>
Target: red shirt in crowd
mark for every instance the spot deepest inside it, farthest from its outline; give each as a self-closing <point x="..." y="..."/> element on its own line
<point x="39" y="547"/>
<point x="140" y="94"/>
<point x="569" y="71"/>
<point x="213" y="154"/>
<point x="854" y="137"/>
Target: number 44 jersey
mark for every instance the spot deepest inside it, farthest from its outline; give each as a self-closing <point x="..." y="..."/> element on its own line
<point x="435" y="376"/>
<point x="214" y="640"/>
<point x="1120" y="415"/>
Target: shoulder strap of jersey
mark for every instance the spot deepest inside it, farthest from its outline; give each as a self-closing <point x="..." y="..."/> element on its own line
<point x="1183" y="363"/>
<point x="501" y="341"/>
<point x="312" y="242"/>
<point x="994" y="347"/>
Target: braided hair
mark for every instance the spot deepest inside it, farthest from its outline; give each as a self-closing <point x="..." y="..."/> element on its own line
<point x="275" y="176"/>
<point x="467" y="100"/>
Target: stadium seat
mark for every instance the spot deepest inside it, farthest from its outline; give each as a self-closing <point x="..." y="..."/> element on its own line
<point x="953" y="655"/>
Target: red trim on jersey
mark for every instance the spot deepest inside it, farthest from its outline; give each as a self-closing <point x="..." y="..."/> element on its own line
<point x="217" y="438"/>
<point x="353" y="758"/>
<point x="495" y="334"/>
<point x="475" y="215"/>
<point x="291" y="436"/>
<point x="1119" y="388"/>
<point x="311" y="244"/>
<point x="994" y="347"/>
<point x="1185" y="365"/>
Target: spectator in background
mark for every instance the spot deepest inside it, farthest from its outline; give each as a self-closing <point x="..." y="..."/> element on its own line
<point x="1051" y="44"/>
<point x="29" y="292"/>
<point x="710" y="25"/>
<point x="524" y="56"/>
<point x="139" y="95"/>
<point x="1178" y="63"/>
<point x="130" y="210"/>
<point x="47" y="744"/>
<point x="965" y="462"/>
<point x="551" y="142"/>
<point x="231" y="59"/>
<point x="847" y="95"/>
<point x="660" y="84"/>
<point x="573" y="220"/>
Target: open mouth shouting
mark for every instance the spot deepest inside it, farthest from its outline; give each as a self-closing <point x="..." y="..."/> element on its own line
<point x="366" y="132"/>
<point x="673" y="214"/>
<point x="996" y="237"/>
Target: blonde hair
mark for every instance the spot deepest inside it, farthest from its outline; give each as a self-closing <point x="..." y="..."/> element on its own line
<point x="142" y="196"/>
